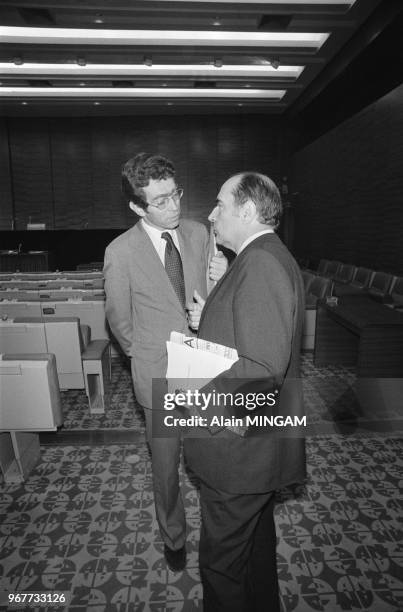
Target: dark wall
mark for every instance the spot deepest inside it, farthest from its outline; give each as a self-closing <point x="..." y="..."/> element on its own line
<point x="350" y="186"/>
<point x="65" y="172"/>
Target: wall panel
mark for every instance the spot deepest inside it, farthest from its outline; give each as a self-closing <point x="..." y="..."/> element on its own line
<point x="31" y="172"/>
<point x="68" y="169"/>
<point x="350" y="185"/>
<point x="6" y="200"/>
<point x="72" y="173"/>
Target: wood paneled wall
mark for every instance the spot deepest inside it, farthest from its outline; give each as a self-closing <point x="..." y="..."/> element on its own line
<point x="349" y="205"/>
<point x="65" y="172"/>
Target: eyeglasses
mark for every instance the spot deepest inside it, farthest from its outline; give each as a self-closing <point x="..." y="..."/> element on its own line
<point x="163" y="203"/>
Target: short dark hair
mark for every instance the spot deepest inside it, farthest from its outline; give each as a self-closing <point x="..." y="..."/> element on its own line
<point x="264" y="193"/>
<point x="137" y="172"/>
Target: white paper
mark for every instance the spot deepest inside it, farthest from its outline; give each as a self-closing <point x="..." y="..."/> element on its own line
<point x="192" y="358"/>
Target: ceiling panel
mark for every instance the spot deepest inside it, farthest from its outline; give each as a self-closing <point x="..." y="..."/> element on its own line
<point x="97" y="56"/>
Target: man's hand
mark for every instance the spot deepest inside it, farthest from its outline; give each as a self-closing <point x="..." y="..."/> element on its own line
<point x="194" y="310"/>
<point x="218" y="266"/>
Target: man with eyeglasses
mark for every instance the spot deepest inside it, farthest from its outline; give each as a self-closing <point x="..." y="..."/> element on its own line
<point x="152" y="272"/>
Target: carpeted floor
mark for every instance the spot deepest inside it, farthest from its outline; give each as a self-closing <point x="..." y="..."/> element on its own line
<point x="83" y="523"/>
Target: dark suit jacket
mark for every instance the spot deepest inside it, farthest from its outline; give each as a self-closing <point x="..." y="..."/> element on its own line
<point x="142" y="307"/>
<point x="257" y="307"/>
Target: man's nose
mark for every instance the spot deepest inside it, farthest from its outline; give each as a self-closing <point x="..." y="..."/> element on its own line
<point x="212" y="215"/>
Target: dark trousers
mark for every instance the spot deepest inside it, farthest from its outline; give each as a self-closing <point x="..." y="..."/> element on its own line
<point x="237" y="552"/>
<point x="165" y="461"/>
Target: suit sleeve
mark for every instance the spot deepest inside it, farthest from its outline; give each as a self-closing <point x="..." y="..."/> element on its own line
<point x="118" y="300"/>
<point x="263" y="309"/>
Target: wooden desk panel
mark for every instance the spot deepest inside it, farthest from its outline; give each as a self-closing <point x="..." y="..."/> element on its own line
<point x="360" y="332"/>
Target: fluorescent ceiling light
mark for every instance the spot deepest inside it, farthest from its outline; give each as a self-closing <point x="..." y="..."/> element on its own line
<point x="93" y="70"/>
<point x="11" y="34"/>
<point x="138" y="92"/>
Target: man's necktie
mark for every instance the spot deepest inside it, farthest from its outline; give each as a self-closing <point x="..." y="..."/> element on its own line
<point x="173" y="267"/>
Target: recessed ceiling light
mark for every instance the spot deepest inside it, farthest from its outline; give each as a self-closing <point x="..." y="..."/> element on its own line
<point x="65" y="36"/>
<point x="93" y="70"/>
<point x="97" y="103"/>
<point x="140" y="92"/>
<point x="24" y="103"/>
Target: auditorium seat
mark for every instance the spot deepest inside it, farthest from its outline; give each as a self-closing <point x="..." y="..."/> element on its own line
<point x="395" y="295"/>
<point x="30" y="402"/>
<point x="79" y="360"/>
<point x="90" y="311"/>
<point x="307" y="277"/>
<point x="318" y="288"/>
<point x="332" y="269"/>
<point x="322" y="267"/>
<point x="379" y="285"/>
<point x="345" y="274"/>
<point x="358" y="285"/>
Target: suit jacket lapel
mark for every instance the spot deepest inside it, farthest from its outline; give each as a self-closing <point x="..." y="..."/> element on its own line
<point x="146" y="257"/>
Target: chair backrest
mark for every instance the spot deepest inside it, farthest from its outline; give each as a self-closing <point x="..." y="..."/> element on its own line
<point x="30" y="396"/>
<point x="345" y="273"/>
<point x="362" y="277"/>
<point x="307" y="277"/>
<point x="90" y="312"/>
<point x="60" y="336"/>
<point x="320" y="287"/>
<point x="397" y="290"/>
<point x="322" y="267"/>
<point x="332" y="268"/>
<point x="380" y="283"/>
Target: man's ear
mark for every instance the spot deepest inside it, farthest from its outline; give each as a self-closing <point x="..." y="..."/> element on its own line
<point x="137" y="209"/>
<point x="248" y="211"/>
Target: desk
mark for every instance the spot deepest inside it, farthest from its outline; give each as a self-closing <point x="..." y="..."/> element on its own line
<point x="368" y="335"/>
<point x="24" y="262"/>
<point x="360" y="332"/>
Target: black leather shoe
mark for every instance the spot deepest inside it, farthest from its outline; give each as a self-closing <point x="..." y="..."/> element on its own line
<point x="176" y="559"/>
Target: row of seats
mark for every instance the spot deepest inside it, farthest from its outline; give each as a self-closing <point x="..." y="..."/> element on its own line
<point x="53" y="336"/>
<point x="90" y="311"/>
<point x="65" y="274"/>
<point x="19" y="293"/>
<point x="58" y="283"/>
<point x="348" y="279"/>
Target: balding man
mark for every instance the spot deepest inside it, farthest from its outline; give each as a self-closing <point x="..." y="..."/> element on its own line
<point x="257" y="308"/>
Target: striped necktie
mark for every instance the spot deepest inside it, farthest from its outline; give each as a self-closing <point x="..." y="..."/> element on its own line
<point x="173" y="267"/>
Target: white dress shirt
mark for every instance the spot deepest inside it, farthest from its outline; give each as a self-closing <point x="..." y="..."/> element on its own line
<point x="158" y="242"/>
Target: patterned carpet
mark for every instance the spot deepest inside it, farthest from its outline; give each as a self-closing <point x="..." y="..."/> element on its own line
<point x="84" y="524"/>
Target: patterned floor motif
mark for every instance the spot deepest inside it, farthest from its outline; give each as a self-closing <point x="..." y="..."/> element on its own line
<point x="84" y="524"/>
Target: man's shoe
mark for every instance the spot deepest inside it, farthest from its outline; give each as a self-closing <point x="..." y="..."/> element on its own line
<point x="176" y="559"/>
